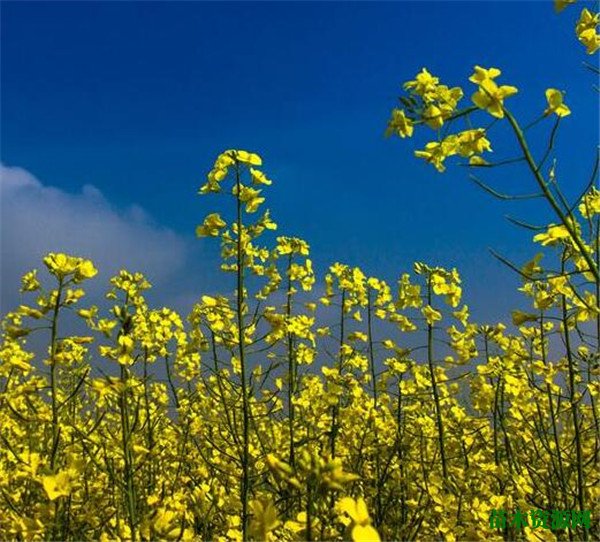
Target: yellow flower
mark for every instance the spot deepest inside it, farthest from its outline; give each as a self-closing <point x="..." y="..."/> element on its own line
<point x="491" y="97"/>
<point x="433" y="117"/>
<point x="586" y="30"/>
<point x="431" y="315"/>
<point x="264" y="519"/>
<point x="552" y="236"/>
<point x="559" y="5"/>
<point x="62" y="265"/>
<point x="423" y="83"/>
<point x="436" y="152"/>
<point x="555" y="103"/>
<point x="31" y="312"/>
<point x="478" y="161"/>
<point x="462" y="315"/>
<point x="448" y="99"/>
<point x="166" y="524"/>
<point x="30" y="282"/>
<point x="224" y="160"/>
<point x="126" y="344"/>
<point x="258" y="177"/>
<point x="590" y="204"/>
<point x="213" y="223"/>
<point x="533" y="266"/>
<point x="57" y="485"/>
<point x="482" y="74"/>
<point x="85" y="270"/>
<point x="399" y="124"/>
<point x="520" y="317"/>
<point x="361" y="529"/>
<point x="245" y="157"/>
<point x="472" y="142"/>
<point x="587" y="309"/>
<point x="209" y="301"/>
<point x="249" y="196"/>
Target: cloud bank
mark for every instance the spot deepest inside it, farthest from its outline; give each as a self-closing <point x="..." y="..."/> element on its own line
<point x="36" y="219"/>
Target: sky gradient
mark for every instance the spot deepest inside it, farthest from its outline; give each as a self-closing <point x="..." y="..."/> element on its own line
<point x="133" y="101"/>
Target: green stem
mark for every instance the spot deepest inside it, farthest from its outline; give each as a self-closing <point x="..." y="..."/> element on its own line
<point x="561" y="471"/>
<point x="127" y="456"/>
<point x="535" y="170"/>
<point x="336" y="406"/>
<point x="53" y="348"/>
<point x="150" y="434"/>
<point x="574" y="414"/>
<point x="436" y="397"/>
<point x="245" y="489"/>
<point x="291" y="367"/>
<point x="378" y="497"/>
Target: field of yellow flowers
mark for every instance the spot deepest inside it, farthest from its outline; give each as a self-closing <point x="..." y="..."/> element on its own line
<point x="250" y="419"/>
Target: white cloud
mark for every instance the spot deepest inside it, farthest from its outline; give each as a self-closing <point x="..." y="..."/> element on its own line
<point x="36" y="219"/>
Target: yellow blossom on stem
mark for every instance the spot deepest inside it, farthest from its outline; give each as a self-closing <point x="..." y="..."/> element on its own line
<point x="57" y="485"/>
<point x="62" y="266"/>
<point x="590" y="204"/>
<point x="431" y="315"/>
<point x="211" y="226"/>
<point x="554" y="234"/>
<point x="424" y="82"/>
<point x="399" y="124"/>
<point x="586" y="30"/>
<point x="30" y="282"/>
<point x="490" y="96"/>
<point x="361" y="529"/>
<point x="264" y="519"/>
<point x="555" y="103"/>
<point x="481" y="74"/>
<point x="436" y="152"/>
<point x="245" y="157"/>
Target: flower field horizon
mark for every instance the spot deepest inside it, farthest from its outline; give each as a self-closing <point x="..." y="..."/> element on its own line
<point x="342" y="407"/>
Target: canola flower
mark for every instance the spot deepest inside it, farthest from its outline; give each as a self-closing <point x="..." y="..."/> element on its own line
<point x="129" y="456"/>
<point x="556" y="104"/>
<point x="587" y="30"/>
<point x="298" y="407"/>
<point x="490" y="96"/>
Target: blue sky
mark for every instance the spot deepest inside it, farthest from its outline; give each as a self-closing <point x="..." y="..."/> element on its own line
<point x="135" y="100"/>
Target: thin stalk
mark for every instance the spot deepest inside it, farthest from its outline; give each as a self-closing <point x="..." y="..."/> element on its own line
<point x="130" y="498"/>
<point x="309" y="510"/>
<point x="150" y="433"/>
<point x="436" y="397"/>
<point x="574" y="414"/>
<point x="535" y="170"/>
<point x="53" y="348"/>
<point x="371" y="352"/>
<point x="378" y="496"/>
<point x="291" y="366"/>
<point x="336" y="407"/>
<point x="58" y="513"/>
<point x="561" y="470"/>
<point x="245" y="489"/>
<point x="495" y="411"/>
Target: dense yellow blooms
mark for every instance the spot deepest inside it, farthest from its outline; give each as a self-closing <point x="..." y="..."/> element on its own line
<point x="134" y="453"/>
<point x="295" y="408"/>
<point x="204" y="500"/>
<point x="62" y="266"/>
